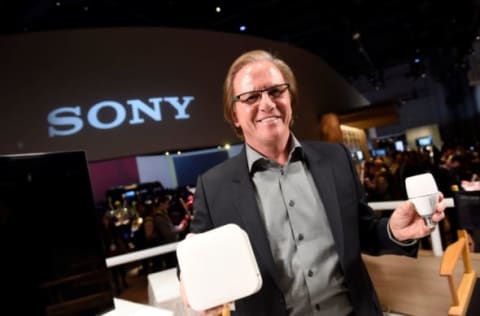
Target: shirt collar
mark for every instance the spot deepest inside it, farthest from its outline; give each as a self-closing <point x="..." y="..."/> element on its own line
<point x="257" y="161"/>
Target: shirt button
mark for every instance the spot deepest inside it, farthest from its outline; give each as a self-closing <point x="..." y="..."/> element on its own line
<point x="317" y="307"/>
<point x="300" y="236"/>
<point x="310" y="273"/>
<point x="291" y="203"/>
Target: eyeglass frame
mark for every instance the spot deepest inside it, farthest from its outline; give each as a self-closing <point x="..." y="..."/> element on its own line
<point x="261" y="91"/>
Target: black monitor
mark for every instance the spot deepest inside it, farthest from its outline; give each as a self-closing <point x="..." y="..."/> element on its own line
<point x="52" y="254"/>
<point x="467" y="214"/>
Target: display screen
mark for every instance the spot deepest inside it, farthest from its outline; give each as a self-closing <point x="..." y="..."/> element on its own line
<point x="424" y="141"/>
<point x="359" y="154"/>
<point x="399" y="146"/>
<point x="53" y="258"/>
<point x="130" y="194"/>
<point x="380" y="152"/>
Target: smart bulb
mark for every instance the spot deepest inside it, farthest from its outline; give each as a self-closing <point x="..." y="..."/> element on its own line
<point x="422" y="191"/>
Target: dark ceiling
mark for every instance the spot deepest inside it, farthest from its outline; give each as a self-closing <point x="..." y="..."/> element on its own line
<point x="391" y="31"/>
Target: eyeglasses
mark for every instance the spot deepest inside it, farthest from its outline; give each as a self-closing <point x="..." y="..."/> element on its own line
<point x="252" y="97"/>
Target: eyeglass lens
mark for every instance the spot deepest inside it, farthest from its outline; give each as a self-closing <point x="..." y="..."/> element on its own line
<point x="253" y="97"/>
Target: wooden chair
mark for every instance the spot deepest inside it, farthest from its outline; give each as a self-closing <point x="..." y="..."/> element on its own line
<point x="226" y="310"/>
<point x="462" y="293"/>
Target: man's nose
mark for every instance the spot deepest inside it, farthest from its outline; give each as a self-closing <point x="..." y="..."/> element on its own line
<point x="266" y="102"/>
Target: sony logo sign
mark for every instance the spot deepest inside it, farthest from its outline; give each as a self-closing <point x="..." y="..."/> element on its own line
<point x="65" y="121"/>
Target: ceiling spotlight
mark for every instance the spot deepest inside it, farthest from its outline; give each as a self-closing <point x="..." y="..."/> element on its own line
<point x="243" y="28"/>
<point x="356" y="36"/>
<point x="218" y="9"/>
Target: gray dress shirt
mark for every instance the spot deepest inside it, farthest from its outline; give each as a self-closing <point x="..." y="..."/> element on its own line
<point x="299" y="234"/>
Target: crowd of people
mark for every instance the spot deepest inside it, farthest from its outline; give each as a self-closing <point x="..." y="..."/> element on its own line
<point x="453" y="167"/>
<point x="143" y="220"/>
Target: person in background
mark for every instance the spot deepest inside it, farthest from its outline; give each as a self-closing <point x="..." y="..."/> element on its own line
<point x="330" y="130"/>
<point x="115" y="244"/>
<point x="300" y="202"/>
<point x="160" y="230"/>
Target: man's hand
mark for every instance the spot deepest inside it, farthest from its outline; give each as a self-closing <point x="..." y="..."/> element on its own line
<point x="405" y="223"/>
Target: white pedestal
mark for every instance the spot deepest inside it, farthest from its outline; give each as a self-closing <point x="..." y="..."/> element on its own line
<point x="164" y="292"/>
<point x="164" y="289"/>
<point x="127" y="308"/>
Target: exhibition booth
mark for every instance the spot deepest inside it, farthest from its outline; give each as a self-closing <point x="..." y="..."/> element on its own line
<point x="109" y="115"/>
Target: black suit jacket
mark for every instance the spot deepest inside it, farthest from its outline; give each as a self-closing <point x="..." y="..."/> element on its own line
<point x="226" y="194"/>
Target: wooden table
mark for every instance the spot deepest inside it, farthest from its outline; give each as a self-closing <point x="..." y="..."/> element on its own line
<point x="413" y="286"/>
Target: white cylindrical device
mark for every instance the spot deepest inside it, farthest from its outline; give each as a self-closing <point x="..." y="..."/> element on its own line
<point x="422" y="191"/>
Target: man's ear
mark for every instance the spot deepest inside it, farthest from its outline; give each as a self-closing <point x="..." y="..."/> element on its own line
<point x="235" y="120"/>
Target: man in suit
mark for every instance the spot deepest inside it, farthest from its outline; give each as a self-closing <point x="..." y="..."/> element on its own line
<point x="301" y="204"/>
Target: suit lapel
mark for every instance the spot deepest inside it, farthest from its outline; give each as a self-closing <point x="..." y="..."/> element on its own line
<point x="325" y="181"/>
<point x="244" y="199"/>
